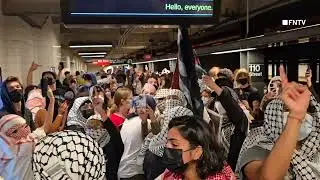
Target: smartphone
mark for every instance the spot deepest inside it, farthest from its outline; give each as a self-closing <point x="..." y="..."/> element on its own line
<point x="44" y="87"/>
<point x="141" y="102"/>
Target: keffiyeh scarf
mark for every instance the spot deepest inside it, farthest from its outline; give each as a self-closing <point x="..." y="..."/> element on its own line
<point x="273" y="128"/>
<point x="98" y="133"/>
<point x="163" y="93"/>
<point x="35" y="102"/>
<point x="75" y="117"/>
<point x="158" y="142"/>
<point x="16" y="147"/>
<point x="225" y="174"/>
<point x="68" y="155"/>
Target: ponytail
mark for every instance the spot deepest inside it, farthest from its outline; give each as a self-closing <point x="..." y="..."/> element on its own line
<point x="113" y="109"/>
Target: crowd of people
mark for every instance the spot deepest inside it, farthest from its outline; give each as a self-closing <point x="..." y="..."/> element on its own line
<point x="131" y="125"/>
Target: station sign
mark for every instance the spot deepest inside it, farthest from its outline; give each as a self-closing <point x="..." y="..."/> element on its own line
<point x="256" y="71"/>
<point x="147" y="57"/>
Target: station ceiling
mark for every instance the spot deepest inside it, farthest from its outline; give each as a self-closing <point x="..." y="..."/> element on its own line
<point x="133" y="41"/>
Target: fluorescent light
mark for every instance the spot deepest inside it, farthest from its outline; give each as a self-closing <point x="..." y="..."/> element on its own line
<point x="159" y="60"/>
<point x="92" y="46"/>
<point x="96" y="56"/>
<point x="233" y="51"/>
<point x="134" y="47"/>
<point x="95" y="53"/>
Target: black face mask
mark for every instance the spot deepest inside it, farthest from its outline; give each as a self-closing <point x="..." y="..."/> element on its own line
<point x="172" y="158"/>
<point x="243" y="81"/>
<point x="87" y="113"/>
<point x="51" y="81"/>
<point x="16" y="96"/>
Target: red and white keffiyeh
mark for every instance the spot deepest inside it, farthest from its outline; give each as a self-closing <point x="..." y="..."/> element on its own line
<point x="16" y="147"/>
<point x="14" y="130"/>
<point x="35" y="102"/>
<point x="225" y="174"/>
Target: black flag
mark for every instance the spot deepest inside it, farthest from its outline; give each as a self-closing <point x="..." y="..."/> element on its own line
<point x="185" y="76"/>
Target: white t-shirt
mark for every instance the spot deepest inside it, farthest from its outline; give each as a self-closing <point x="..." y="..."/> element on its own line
<point x="133" y="141"/>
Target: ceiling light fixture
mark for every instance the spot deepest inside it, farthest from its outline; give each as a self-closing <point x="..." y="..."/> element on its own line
<point x="233" y="51"/>
<point x="96" y="56"/>
<point x="159" y="60"/>
<point x="91" y="46"/>
<point x="134" y="47"/>
<point x="93" y="53"/>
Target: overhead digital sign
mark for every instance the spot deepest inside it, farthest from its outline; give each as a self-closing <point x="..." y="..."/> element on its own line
<point x="140" y="11"/>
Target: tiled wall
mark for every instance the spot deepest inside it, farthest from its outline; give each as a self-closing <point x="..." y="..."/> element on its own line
<point x="20" y="44"/>
<point x="75" y="64"/>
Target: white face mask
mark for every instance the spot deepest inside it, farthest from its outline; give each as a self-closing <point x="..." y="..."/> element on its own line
<point x="306" y="126"/>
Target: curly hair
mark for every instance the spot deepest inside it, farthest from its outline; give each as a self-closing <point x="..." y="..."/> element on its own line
<point x="199" y="133"/>
<point x="227" y="73"/>
<point x="243" y="72"/>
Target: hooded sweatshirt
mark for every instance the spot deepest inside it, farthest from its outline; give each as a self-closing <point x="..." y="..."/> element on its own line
<point x="8" y="107"/>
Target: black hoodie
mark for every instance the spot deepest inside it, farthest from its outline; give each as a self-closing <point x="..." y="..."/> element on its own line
<point x="8" y="107"/>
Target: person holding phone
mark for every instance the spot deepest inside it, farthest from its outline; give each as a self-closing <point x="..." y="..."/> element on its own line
<point x="59" y="121"/>
<point x="133" y="138"/>
<point x="285" y="147"/>
<point x="50" y="81"/>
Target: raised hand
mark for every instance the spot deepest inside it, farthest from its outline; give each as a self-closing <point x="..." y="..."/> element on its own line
<point x="50" y="93"/>
<point x="150" y="113"/>
<point x="295" y="96"/>
<point x="63" y="108"/>
<point x="207" y="80"/>
<point x="34" y="66"/>
<point x="97" y="102"/>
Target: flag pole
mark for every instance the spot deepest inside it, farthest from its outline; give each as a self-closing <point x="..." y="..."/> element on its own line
<point x="186" y="69"/>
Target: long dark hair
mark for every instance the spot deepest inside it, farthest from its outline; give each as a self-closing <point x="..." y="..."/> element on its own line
<point x="199" y="133"/>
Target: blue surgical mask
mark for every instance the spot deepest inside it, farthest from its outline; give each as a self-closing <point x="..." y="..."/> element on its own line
<point x="306" y="126"/>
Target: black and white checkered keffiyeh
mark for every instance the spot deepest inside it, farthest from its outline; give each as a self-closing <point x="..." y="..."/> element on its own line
<point x="274" y="125"/>
<point x="75" y="117"/>
<point x="99" y="134"/>
<point x="68" y="155"/>
<point x="164" y="93"/>
<point x="157" y="143"/>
